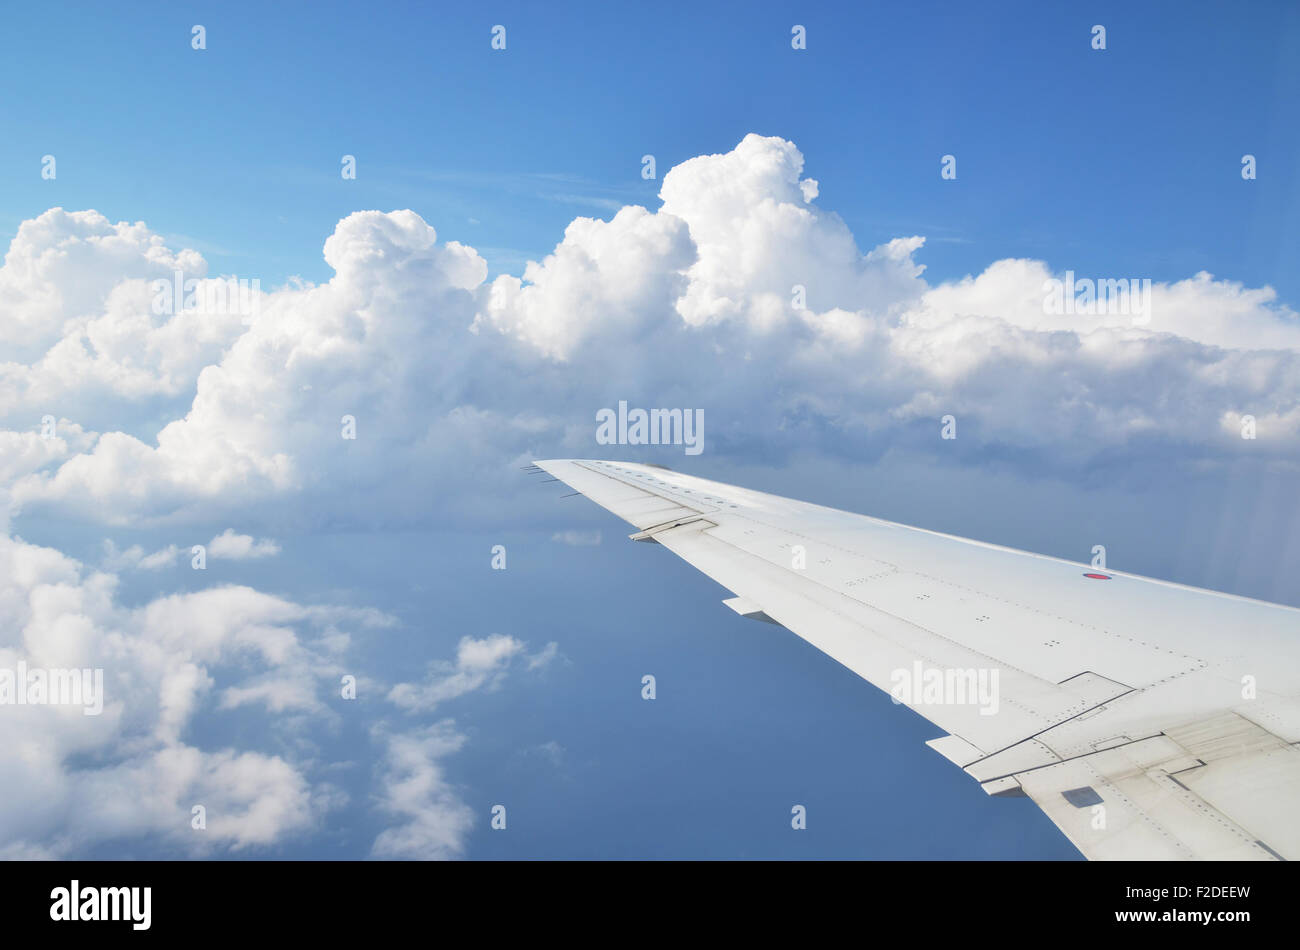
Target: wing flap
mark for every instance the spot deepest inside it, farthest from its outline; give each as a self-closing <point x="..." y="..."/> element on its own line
<point x="1153" y="799"/>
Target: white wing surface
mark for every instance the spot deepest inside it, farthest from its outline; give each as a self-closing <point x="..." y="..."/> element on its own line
<point x="1148" y="720"/>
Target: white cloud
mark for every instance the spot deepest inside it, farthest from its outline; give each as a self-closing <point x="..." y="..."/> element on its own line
<point x="596" y="281"/>
<point x="135" y="769"/>
<point x="480" y="664"/>
<point x="22" y="453"/>
<point x="545" y="656"/>
<point x="431" y="820"/>
<point x="693" y="304"/>
<point x="241" y="547"/>
<point x="134" y="558"/>
<point x="82" y="339"/>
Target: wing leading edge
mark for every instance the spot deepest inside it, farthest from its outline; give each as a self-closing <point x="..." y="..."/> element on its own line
<point x="1146" y="719"/>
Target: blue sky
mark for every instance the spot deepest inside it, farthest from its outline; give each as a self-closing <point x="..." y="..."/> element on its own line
<point x="1117" y="163"/>
<point x="1125" y="160"/>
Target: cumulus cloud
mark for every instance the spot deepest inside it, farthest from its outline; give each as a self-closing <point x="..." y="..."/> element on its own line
<point x="83" y="336"/>
<point x="135" y="769"/>
<point x="430" y="820"/>
<point x="595" y="281"/>
<point x="134" y="558"/>
<point x="740" y="295"/>
<point x="241" y="547"/>
<point x="479" y="664"/>
<point x="22" y="453"/>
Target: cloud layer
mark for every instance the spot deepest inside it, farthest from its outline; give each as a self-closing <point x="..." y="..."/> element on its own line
<point x="739" y="295"/>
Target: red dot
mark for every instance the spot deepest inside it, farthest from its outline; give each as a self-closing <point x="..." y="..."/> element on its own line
<point x="1098" y="577"/>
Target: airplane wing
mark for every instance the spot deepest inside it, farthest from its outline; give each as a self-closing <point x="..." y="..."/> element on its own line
<point x="1148" y="720"/>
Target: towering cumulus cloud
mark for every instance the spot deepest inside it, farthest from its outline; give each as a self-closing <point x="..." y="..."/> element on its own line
<point x="739" y="295"/>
